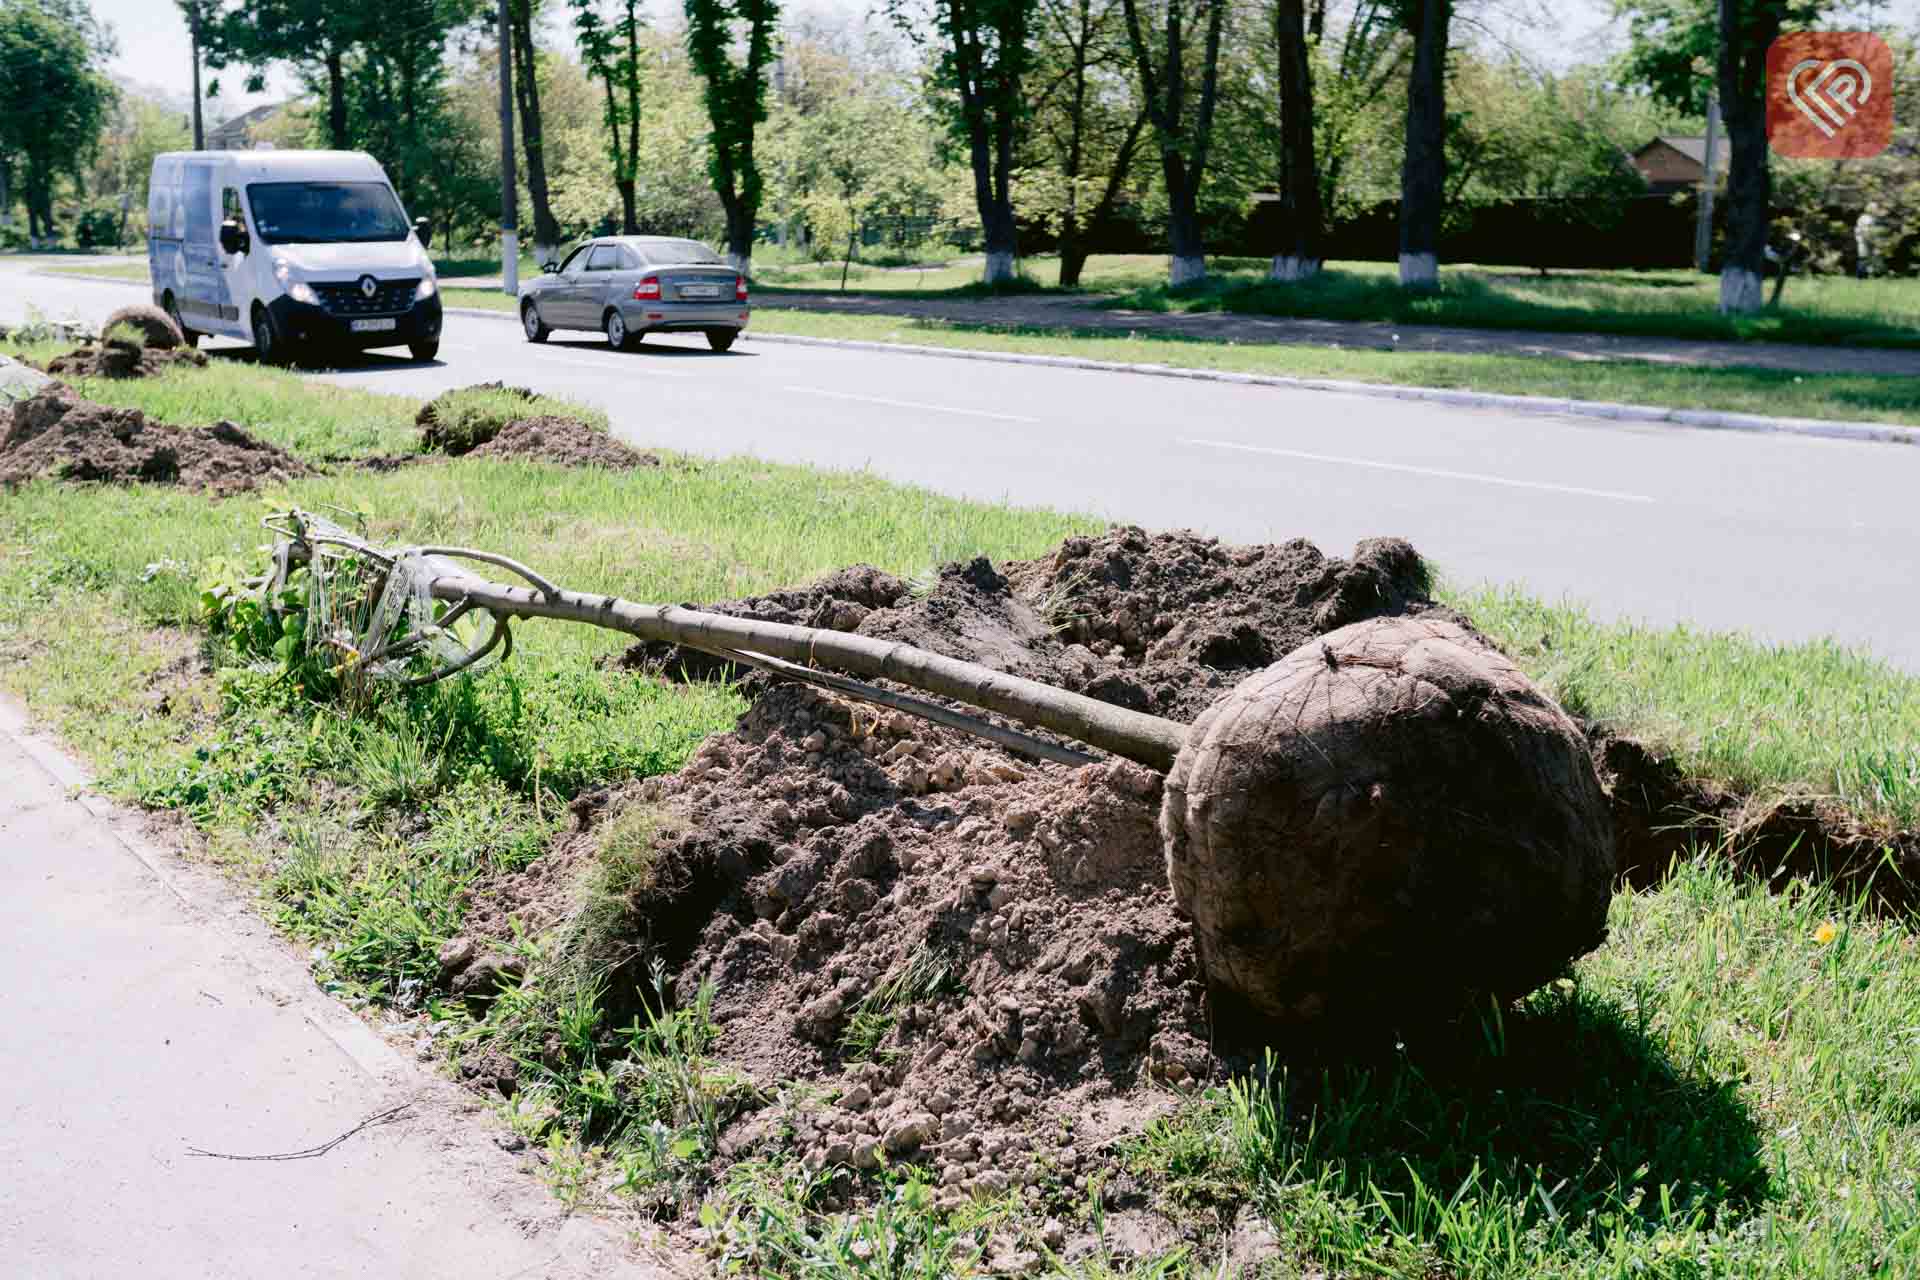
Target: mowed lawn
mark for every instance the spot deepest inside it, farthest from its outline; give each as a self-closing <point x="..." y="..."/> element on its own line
<point x="1726" y="1088"/>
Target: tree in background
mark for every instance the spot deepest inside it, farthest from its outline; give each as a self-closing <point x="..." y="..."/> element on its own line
<point x="1356" y="129"/>
<point x="1299" y="254"/>
<point x="1423" y="175"/>
<point x="521" y="15"/>
<point x="1088" y="126"/>
<point x="1182" y="117"/>
<point x="315" y="37"/>
<point x="1669" y="42"/>
<point x="198" y="14"/>
<point x="397" y="85"/>
<point x="54" y="99"/>
<point x="736" y="101"/>
<point x="985" y="53"/>
<point x="611" y="54"/>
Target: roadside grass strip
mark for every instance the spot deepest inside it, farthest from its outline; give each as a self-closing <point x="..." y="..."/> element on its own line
<point x="1728" y="1087"/>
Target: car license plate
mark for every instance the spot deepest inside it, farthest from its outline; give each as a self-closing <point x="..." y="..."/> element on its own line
<point x="700" y="290"/>
<point x="374" y="326"/>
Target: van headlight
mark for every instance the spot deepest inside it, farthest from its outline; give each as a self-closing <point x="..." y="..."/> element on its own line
<point x="301" y="291"/>
<point x="428" y="287"/>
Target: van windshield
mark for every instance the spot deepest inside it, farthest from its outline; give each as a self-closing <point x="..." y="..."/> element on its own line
<point x="326" y="212"/>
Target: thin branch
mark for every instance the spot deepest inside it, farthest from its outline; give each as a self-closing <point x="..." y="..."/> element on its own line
<point x="389" y="1116"/>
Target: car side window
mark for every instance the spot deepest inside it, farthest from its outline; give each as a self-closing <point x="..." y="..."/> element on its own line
<point x="575" y="261"/>
<point x="605" y="257"/>
<point x="630" y="259"/>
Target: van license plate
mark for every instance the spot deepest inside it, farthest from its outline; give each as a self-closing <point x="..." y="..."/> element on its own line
<point x="373" y="326"/>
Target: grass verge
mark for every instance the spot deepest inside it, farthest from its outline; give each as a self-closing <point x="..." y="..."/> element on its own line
<point x="1725" y="1089"/>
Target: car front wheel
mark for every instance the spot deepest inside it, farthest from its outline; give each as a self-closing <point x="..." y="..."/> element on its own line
<point x="267" y="343"/>
<point x="530" y="320"/>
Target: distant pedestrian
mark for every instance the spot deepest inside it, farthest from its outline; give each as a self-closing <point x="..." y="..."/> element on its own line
<point x="1866" y="233"/>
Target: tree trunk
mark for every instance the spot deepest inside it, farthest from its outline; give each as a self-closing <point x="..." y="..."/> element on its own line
<point x="1189" y="261"/>
<point x="630" y="169"/>
<point x="1423" y="176"/>
<point x="996" y="221"/>
<point x="1299" y="253"/>
<point x="337" y="101"/>
<point x="1073" y="256"/>
<point x="199" y="123"/>
<point x="740" y="229"/>
<point x="1743" y="110"/>
<point x="526" y="88"/>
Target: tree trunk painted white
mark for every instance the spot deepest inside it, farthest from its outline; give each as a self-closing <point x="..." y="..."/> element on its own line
<point x="1419" y="271"/>
<point x="1740" y="291"/>
<point x="545" y="253"/>
<point x="1000" y="268"/>
<point x="1290" y="268"/>
<point x="741" y="262"/>
<point x="1186" y="270"/>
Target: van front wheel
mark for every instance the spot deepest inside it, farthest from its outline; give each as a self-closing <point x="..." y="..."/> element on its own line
<point x="424" y="350"/>
<point x="267" y="343"/>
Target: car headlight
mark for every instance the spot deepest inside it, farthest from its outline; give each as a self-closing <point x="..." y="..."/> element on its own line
<point x="428" y="287"/>
<point x="301" y="291"/>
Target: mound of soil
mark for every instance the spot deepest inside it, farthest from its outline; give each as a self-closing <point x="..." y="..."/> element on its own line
<point x="568" y="442"/>
<point x="57" y="434"/>
<point x="977" y="956"/>
<point x="435" y="434"/>
<point x="1159" y="623"/>
<point x="114" y="358"/>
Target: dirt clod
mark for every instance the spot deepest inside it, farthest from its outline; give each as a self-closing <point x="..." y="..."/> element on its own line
<point x="118" y="358"/>
<point x="58" y="435"/>
<point x="448" y="430"/>
<point x="567" y="442"/>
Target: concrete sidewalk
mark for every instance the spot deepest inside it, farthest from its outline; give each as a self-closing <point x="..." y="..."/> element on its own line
<point x="149" y="1011"/>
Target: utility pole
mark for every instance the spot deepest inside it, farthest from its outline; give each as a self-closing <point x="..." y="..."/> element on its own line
<point x="193" y="34"/>
<point x="1703" y="230"/>
<point x="509" y="201"/>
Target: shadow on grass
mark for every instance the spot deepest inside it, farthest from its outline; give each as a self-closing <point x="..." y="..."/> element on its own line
<point x="1566" y="1112"/>
<point x="1594" y="304"/>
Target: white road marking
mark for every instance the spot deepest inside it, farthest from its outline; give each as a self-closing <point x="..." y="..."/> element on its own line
<point x="914" y="404"/>
<point x="1424" y="471"/>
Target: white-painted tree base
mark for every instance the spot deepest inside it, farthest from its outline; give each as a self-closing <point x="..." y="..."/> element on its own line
<point x="1186" y="270"/>
<point x="1740" y="290"/>
<point x="1000" y="268"/>
<point x="545" y="253"/>
<point x="510" y="264"/>
<point x="743" y="263"/>
<point x="1419" y="271"/>
<point x="1291" y="268"/>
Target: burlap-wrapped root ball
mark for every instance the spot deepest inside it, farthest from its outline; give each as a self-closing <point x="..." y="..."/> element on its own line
<point x="155" y="327"/>
<point x="1384" y="820"/>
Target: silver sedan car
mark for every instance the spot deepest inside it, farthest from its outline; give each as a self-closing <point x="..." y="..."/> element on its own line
<point x="629" y="286"/>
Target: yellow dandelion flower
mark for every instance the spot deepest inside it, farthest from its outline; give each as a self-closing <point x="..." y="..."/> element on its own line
<point x="1826" y="933"/>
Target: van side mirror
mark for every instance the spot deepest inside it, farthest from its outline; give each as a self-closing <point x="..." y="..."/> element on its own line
<point x="234" y="238"/>
<point x="423" y="228"/>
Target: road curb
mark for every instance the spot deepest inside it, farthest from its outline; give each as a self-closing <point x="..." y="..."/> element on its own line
<point x="1596" y="410"/>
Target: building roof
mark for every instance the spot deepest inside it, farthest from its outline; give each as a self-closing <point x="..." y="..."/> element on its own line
<point x="236" y="133"/>
<point x="1692" y="148"/>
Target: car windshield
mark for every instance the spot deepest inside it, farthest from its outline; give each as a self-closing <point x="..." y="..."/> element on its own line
<point x="326" y="212"/>
<point x="669" y="253"/>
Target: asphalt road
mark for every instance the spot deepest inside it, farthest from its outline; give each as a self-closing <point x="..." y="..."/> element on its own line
<point x="1786" y="538"/>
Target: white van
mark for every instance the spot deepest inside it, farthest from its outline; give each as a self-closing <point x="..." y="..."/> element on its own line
<point x="289" y="250"/>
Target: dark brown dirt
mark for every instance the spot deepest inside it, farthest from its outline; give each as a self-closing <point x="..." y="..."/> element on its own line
<point x="117" y="359"/>
<point x="57" y="434"/>
<point x="566" y="442"/>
